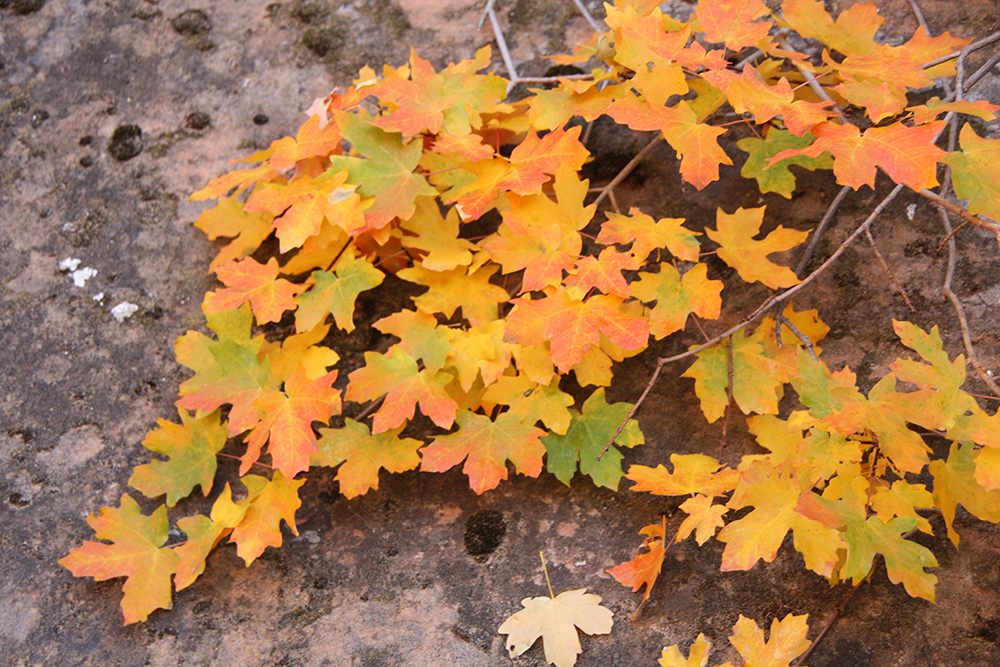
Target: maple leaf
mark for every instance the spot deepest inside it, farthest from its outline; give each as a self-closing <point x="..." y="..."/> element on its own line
<point x="692" y="473"/>
<point x="228" y="218"/>
<point x="191" y="446"/>
<point x="940" y="401"/>
<point x="437" y="237"/>
<point x="974" y="172"/>
<point x="852" y="33"/>
<point x="703" y="518"/>
<point x="485" y="446"/>
<point x="555" y="620"/>
<point x="698" y="656"/>
<point x="955" y="484"/>
<point x="740" y="250"/>
<point x="645" y="235"/>
<point x="363" y="455"/>
<point x="588" y="434"/>
<point x="787" y="641"/>
<point x="733" y="22"/>
<point x="136" y="552"/>
<point x="465" y="288"/>
<point x="758" y="535"/>
<point x="286" y="426"/>
<point x="694" y="141"/>
<point x="248" y="281"/>
<point x="907" y="154"/>
<point x="603" y="272"/>
<point x="478" y="352"/>
<point x="300" y="353"/>
<point x="269" y="502"/>
<point x="203" y="534"/>
<point x="678" y="297"/>
<point x="881" y="100"/>
<point x="335" y="293"/>
<point x="645" y="567"/>
<point x="226" y="371"/>
<point x="387" y="172"/>
<point x="236" y="179"/>
<point x="420" y="337"/>
<point x="532" y="402"/>
<point x="314" y="139"/>
<point x="925" y="113"/>
<point x="395" y="375"/>
<point x="550" y="109"/>
<point x="417" y="103"/>
<point x="572" y="326"/>
<point x="755" y="388"/>
<point x="776" y="176"/>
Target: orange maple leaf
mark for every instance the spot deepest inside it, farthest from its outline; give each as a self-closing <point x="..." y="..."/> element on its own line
<point x="645" y="235"/>
<point x="733" y="22"/>
<point x="363" y="455"/>
<point x="645" y="567"/>
<point x="486" y="446"/>
<point x="250" y="281"/>
<point x="416" y="103"/>
<point x="270" y="502"/>
<point x="312" y="140"/>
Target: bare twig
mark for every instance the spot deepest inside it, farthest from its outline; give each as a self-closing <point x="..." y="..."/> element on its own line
<point x="623" y="174"/>
<point x="837" y="613"/>
<point x="920" y="17"/>
<point x="986" y="41"/>
<point x="961" y="212"/>
<point x="729" y="402"/>
<point x="761" y="309"/>
<point x="807" y="343"/>
<point x="590" y="19"/>
<point x="885" y="267"/>
<point x="820" y="229"/>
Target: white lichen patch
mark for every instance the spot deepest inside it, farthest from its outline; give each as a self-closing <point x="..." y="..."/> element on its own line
<point x="81" y="276"/>
<point x="123" y="311"/>
<point x="69" y="264"/>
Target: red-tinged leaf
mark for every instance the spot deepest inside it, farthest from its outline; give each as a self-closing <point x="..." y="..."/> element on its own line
<point x="301" y="353"/>
<point x="396" y="376"/>
<point x="703" y="519"/>
<point x="786" y="642"/>
<point x="191" y="447"/>
<point x="286" y="426"/>
<point x="450" y="290"/>
<point x="420" y="337"/>
<point x="226" y="371"/>
<point x="386" y="171"/>
<point x="645" y="567"/>
<point x="975" y="174"/>
<point x="955" y="484"/>
<point x="469" y="146"/>
<point x="203" y="534"/>
<point x="136" y="552"/>
<point x="310" y="141"/>
<point x="363" y="455"/>
<point x="486" y="446"/>
<point x="907" y="154"/>
<point x="733" y="22"/>
<point x="550" y="109"/>
<point x="416" y="103"/>
<point x="604" y="272"/>
<point x="852" y="33"/>
<point x="572" y="326"/>
<point x="270" y="502"/>
<point x="335" y="293"/>
<point x="748" y="256"/>
<point x="776" y="176"/>
<point x="220" y="186"/>
<point x="250" y="281"/>
<point x="759" y="534"/>
<point x="895" y="65"/>
<point x="694" y="142"/>
<point x="557" y="150"/>
<point x="881" y="100"/>
<point x="588" y="434"/>
<point x="748" y="92"/>
<point x="678" y="297"/>
<point x="693" y="473"/>
<point x="228" y="218"/>
<point x="645" y="235"/>
<point x="925" y="113"/>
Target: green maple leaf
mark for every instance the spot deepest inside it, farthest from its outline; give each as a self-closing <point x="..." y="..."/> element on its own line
<point x="974" y="172"/>
<point x="191" y="446"/>
<point x="335" y="293"/>
<point x="420" y="337"/>
<point x="585" y="439"/>
<point x="777" y="177"/>
<point x="955" y="484"/>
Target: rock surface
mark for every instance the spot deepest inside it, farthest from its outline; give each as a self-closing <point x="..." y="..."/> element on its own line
<point x="111" y="113"/>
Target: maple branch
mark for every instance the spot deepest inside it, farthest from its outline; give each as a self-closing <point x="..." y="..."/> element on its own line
<point x="820" y="229"/>
<point x="633" y="163"/>
<point x="586" y="15"/>
<point x="961" y="212"/>
<point x="837" y="613"/>
<point x="885" y="267"/>
<point x="807" y="343"/>
<point x="920" y="17"/>
<point x="729" y="402"/>
<point x="760" y="310"/>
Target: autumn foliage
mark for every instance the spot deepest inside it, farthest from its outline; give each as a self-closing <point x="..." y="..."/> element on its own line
<point x="387" y="178"/>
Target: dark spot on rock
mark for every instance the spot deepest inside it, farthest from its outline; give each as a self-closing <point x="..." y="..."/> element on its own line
<point x="192" y="23"/>
<point x="198" y="120"/>
<point x="392" y="552"/>
<point x="146" y="11"/>
<point x="38" y="117"/>
<point x="86" y="161"/>
<point x="22" y="7"/>
<point x="111" y="109"/>
<point x="324" y="38"/>
<point x="202" y="607"/>
<point x="484" y="531"/>
<point x="20" y="105"/>
<point x="321" y="583"/>
<point x="17" y="500"/>
<point x="86" y="140"/>
<point x="261" y="119"/>
<point x="126" y="142"/>
<point x="154" y="313"/>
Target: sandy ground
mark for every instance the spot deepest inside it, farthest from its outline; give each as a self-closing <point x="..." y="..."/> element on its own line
<point x="112" y="112"/>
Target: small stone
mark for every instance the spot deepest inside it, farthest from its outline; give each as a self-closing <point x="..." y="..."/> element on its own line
<point x="126" y="142"/>
<point x="192" y="23"/>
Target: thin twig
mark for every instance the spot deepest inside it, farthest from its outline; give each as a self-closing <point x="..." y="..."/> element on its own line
<point x="820" y="229"/>
<point x="986" y="41"/>
<point x="761" y="309"/>
<point x="623" y="174"/>
<point x="837" y="613"/>
<point x="590" y="19"/>
<point x="888" y="272"/>
<point x="920" y="17"/>
<point x="729" y="403"/>
<point x="962" y="213"/>
<point x="501" y="44"/>
<point x="807" y="343"/>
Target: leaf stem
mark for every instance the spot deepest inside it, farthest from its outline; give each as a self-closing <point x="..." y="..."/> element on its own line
<point x="546" y="571"/>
